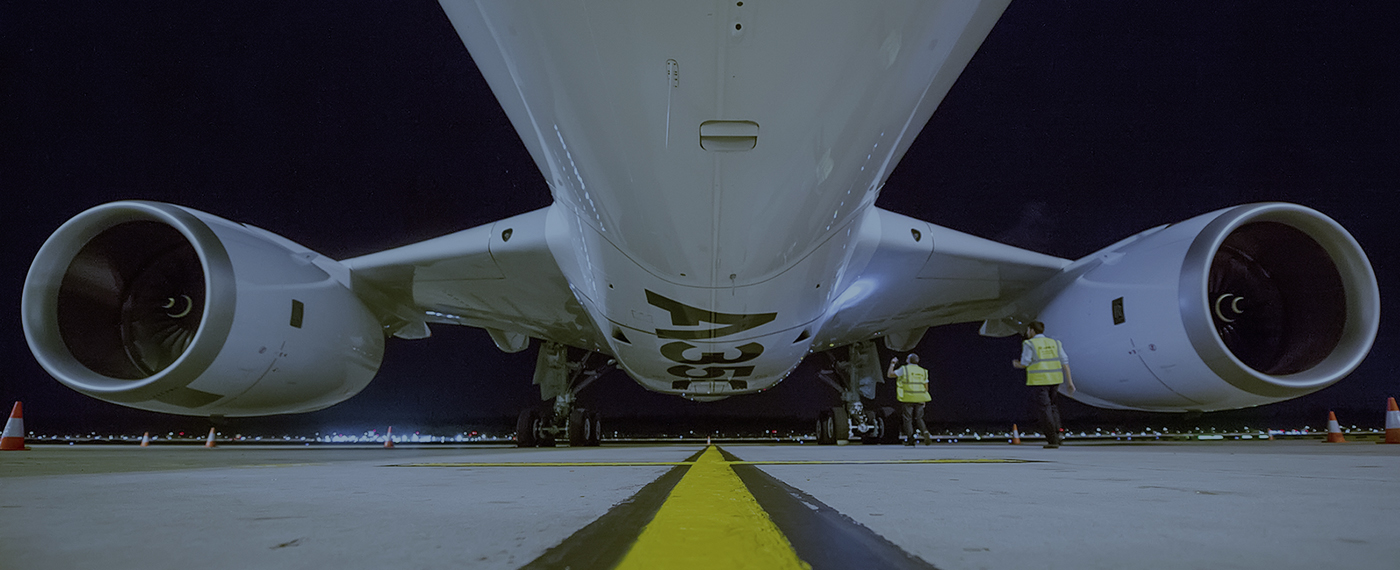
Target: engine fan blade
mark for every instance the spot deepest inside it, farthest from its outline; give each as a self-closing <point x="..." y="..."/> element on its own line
<point x="162" y="307"/>
<point x="1247" y="308"/>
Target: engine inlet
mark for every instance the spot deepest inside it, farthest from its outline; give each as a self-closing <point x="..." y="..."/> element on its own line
<point x="1276" y="298"/>
<point x="131" y="301"/>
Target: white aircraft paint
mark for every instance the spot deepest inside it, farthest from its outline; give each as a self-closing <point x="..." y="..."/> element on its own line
<point x="613" y="100"/>
<point x="714" y="168"/>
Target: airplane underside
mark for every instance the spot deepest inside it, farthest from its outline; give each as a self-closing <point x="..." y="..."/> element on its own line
<point x="714" y="169"/>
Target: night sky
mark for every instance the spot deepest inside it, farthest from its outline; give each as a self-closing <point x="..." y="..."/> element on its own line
<point x="357" y="127"/>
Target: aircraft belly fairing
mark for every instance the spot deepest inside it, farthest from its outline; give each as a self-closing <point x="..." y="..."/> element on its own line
<point x="613" y="101"/>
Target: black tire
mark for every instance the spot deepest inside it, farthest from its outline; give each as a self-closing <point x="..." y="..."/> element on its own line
<point x="525" y="428"/>
<point x="824" y="428"/>
<point x="595" y="421"/>
<point x="579" y="428"/>
<point x="892" y="426"/>
<point x="842" y="427"/>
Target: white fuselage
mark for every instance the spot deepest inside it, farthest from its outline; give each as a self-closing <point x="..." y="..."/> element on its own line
<point x="710" y="265"/>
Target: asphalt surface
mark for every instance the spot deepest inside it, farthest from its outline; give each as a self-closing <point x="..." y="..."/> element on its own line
<point x="1224" y="504"/>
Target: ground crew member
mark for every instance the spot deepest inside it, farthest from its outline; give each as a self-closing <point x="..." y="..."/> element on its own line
<point x="912" y="389"/>
<point x="1047" y="366"/>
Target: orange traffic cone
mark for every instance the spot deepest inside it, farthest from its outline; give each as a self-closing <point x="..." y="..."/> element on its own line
<point x="1392" y="422"/>
<point x="146" y="439"/>
<point x="13" y="437"/>
<point x="210" y="442"/>
<point x="1334" y="431"/>
<point x="389" y="438"/>
<point x="1015" y="435"/>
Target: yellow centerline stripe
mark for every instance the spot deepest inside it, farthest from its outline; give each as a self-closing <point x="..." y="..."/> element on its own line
<point x="710" y="520"/>
<point x="675" y="463"/>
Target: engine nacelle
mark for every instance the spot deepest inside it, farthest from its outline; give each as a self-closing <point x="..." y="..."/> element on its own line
<point x="1236" y="308"/>
<point x="168" y="309"/>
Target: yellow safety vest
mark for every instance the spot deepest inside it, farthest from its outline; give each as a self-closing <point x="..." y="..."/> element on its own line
<point x="1045" y="368"/>
<point x="913" y="384"/>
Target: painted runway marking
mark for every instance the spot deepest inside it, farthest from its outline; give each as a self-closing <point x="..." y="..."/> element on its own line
<point x="687" y="463"/>
<point x="710" y="520"/>
<point x="606" y="540"/>
<point x="714" y="510"/>
<point x="819" y="533"/>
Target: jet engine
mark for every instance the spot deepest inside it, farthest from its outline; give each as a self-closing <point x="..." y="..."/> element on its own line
<point x="169" y="309"/>
<point x="1236" y="308"/>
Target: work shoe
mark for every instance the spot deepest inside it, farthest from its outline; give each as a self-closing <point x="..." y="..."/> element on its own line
<point x="909" y="443"/>
<point x="1051" y="446"/>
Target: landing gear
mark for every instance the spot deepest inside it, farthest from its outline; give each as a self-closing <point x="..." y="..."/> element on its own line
<point x="855" y="376"/>
<point x="531" y="430"/>
<point x="885" y="424"/>
<point x="833" y="426"/>
<point x="585" y="428"/>
<point x="561" y="379"/>
<point x="890" y="420"/>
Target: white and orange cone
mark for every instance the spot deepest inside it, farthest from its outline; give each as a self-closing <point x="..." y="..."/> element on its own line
<point x="210" y="442"/>
<point x="1392" y="422"/>
<point x="1334" y="430"/>
<point x="146" y="439"/>
<point x="1015" y="435"/>
<point x="389" y="438"/>
<point x="13" y="438"/>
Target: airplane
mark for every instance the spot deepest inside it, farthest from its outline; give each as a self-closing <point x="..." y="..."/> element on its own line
<point x="713" y="225"/>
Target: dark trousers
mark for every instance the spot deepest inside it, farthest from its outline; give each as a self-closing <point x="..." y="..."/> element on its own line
<point x="1043" y="401"/>
<point x="913" y="416"/>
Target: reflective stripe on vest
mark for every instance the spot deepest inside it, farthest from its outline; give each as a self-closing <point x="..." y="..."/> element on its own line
<point x="1045" y="366"/>
<point x="913" y="384"/>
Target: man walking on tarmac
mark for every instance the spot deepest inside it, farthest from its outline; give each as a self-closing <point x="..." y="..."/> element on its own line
<point x="1047" y="366"/>
<point x="912" y="389"/>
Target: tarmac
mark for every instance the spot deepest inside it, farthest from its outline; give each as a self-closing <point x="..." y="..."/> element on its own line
<point x="1218" y="504"/>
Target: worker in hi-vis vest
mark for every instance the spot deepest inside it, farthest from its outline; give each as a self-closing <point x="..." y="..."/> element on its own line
<point x="1047" y="367"/>
<point x="912" y="389"/>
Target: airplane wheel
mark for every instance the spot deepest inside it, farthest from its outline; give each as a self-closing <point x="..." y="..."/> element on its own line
<point x="825" y="428"/>
<point x="525" y="428"/>
<point x="841" y="425"/>
<point x="892" y="427"/>
<point x="596" y="421"/>
<point x="579" y="428"/>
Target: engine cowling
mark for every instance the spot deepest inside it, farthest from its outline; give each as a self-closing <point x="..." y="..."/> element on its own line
<point x="1236" y="308"/>
<point x="169" y="309"/>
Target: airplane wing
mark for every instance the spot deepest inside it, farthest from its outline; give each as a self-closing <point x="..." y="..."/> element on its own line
<point x="500" y="277"/>
<point x="919" y="275"/>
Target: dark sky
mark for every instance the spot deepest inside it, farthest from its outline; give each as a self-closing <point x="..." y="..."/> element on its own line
<point x="356" y="127"/>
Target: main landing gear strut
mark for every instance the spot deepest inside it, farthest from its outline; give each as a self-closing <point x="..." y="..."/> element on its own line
<point x="854" y="375"/>
<point x="561" y="380"/>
